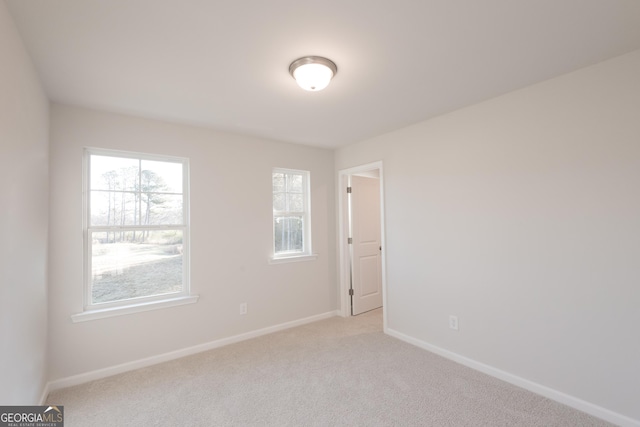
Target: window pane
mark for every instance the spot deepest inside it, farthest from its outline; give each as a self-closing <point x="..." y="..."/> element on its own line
<point x="113" y="173"/>
<point x="161" y="177"/>
<point x="135" y="264"/>
<point x="161" y="209"/>
<point x="278" y="182"/>
<point x="279" y="204"/>
<point x="102" y="208"/>
<point x="288" y="234"/>
<point x="295" y="202"/>
<point x="294" y="183"/>
<point x="114" y="208"/>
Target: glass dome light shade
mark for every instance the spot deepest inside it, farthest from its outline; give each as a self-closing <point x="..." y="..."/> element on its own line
<point x="313" y="73"/>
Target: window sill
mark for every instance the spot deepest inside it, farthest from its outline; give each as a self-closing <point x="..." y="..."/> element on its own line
<point x="135" y="308"/>
<point x="294" y="258"/>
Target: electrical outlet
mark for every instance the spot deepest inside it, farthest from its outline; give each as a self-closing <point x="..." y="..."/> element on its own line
<point x="453" y="322"/>
<point x="243" y="308"/>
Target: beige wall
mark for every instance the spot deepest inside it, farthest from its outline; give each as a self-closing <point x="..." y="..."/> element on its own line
<point x="24" y="128"/>
<point x="231" y="241"/>
<point x="521" y="215"/>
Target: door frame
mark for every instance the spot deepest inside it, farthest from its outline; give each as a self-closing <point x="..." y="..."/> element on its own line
<point x="343" y="233"/>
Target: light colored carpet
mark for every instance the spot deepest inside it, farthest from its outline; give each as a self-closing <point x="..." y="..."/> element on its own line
<point x="335" y="372"/>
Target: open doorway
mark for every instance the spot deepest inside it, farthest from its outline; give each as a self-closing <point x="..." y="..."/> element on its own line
<point x="361" y="234"/>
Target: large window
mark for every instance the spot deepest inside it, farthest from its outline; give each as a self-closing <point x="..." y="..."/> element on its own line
<point x="136" y="233"/>
<point x="291" y="218"/>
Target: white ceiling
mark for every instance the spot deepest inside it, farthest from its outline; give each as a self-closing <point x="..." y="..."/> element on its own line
<point x="224" y="63"/>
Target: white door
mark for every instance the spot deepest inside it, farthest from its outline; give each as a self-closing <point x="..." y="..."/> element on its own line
<point x="366" y="260"/>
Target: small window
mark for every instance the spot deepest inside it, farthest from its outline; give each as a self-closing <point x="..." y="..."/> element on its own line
<point x="291" y="217"/>
<point x="136" y="232"/>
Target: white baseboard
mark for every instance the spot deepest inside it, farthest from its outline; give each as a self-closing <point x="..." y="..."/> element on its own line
<point x="165" y="357"/>
<point x="558" y="396"/>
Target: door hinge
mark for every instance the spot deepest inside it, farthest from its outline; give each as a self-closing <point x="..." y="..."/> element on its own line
<point x="350" y="240"/>
<point x="350" y="292"/>
<point x="349" y="190"/>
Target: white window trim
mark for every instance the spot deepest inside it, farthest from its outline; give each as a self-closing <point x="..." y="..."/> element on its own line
<point x="307" y="252"/>
<point x="133" y="305"/>
<point x="133" y="308"/>
<point x="295" y="258"/>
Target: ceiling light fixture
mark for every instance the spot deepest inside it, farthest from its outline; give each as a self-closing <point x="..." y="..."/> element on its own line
<point x="313" y="73"/>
